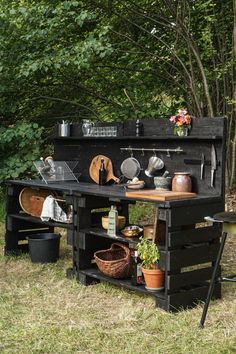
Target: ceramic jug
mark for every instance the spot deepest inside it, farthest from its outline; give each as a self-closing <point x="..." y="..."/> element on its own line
<point x="181" y="182"/>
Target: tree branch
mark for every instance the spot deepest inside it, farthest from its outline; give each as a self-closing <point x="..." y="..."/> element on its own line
<point x="65" y="101"/>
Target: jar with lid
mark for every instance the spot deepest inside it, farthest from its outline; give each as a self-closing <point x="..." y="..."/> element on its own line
<point x="181" y="182"/>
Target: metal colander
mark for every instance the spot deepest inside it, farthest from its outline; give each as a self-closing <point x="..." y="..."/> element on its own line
<point x="130" y="168"/>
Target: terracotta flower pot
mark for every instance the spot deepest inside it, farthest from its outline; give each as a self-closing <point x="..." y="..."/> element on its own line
<point x="154" y="278"/>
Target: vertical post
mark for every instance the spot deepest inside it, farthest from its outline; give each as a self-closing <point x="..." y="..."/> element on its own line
<point x="213" y="279"/>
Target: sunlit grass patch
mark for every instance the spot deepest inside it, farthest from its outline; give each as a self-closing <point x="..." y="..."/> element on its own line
<point x="41" y="311"/>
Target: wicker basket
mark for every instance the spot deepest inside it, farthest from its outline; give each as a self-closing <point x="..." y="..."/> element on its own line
<point x="115" y="261"/>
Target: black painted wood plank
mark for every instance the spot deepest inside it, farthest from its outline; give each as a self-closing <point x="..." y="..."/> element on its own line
<point x="95" y="233"/>
<point x="93" y="202"/>
<point x="31" y="219"/>
<point x="11" y="240"/>
<point x="85" y="151"/>
<point x="93" y="242"/>
<point x="198" y="235"/>
<point x="84" y="258"/>
<point x="180" y="258"/>
<point x="190" y="298"/>
<point x="70" y="237"/>
<point x="23" y="234"/>
<point x="193" y="214"/>
<point x="15" y="224"/>
<point x="177" y="281"/>
<point x="86" y="279"/>
<point x="157" y="127"/>
<point x="125" y="283"/>
<point x="162" y="126"/>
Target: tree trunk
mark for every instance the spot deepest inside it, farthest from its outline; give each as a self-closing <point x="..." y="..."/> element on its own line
<point x="233" y="166"/>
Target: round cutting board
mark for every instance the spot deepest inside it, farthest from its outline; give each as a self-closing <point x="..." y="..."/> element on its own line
<point x="94" y="169"/>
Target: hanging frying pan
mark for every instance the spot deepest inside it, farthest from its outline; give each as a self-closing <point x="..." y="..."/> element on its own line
<point x="130" y="168"/>
<point x="94" y="169"/>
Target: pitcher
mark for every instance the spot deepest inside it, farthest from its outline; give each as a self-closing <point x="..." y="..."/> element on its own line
<point x="87" y="127"/>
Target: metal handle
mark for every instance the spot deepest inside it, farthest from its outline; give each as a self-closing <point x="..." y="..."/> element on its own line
<point x="178" y="149"/>
<point x="212" y="178"/>
<point x="201" y="173"/>
<point x="210" y="218"/>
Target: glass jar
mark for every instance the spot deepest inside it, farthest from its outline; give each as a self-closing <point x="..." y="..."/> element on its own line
<point x="181" y="182"/>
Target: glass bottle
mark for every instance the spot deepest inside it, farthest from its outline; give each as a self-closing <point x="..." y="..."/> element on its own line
<point x="112" y="221"/>
<point x="136" y="269"/>
<point x="102" y="174"/>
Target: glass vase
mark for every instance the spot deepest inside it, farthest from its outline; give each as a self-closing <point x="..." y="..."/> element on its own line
<point x="181" y="131"/>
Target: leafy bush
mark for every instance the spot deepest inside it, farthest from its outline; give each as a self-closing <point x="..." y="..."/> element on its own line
<point x="19" y="147"/>
<point x="140" y="214"/>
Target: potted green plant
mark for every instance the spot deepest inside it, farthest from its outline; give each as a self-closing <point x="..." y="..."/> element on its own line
<point x="149" y="255"/>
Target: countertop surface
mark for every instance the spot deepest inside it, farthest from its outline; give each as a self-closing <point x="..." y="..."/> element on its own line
<point x="113" y="192"/>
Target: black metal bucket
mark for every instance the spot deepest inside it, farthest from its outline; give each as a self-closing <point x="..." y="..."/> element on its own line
<point x="44" y="247"/>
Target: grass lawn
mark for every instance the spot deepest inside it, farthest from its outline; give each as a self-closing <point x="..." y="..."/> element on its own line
<point x="41" y="311"/>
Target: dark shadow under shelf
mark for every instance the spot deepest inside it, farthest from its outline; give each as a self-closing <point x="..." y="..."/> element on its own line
<point x="36" y="220"/>
<point x="132" y="241"/>
<point x="96" y="231"/>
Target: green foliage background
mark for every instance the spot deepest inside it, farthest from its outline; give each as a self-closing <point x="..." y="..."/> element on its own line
<point x="110" y="60"/>
<point x="19" y="148"/>
<point x="74" y="58"/>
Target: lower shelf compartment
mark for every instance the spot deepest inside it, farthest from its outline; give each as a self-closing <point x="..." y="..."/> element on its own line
<point x="36" y="220"/>
<point x="94" y="273"/>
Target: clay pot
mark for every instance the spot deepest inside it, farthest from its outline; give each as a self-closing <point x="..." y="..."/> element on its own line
<point x="181" y="182"/>
<point x="148" y="231"/>
<point x="154" y="278"/>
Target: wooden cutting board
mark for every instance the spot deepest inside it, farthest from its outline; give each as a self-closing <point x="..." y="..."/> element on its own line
<point x="153" y="194"/>
<point x="94" y="169"/>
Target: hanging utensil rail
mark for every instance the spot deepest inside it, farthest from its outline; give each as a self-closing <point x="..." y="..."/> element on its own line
<point x="130" y="149"/>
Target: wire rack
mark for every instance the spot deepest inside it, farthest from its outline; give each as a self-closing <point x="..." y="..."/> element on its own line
<point x="56" y="171"/>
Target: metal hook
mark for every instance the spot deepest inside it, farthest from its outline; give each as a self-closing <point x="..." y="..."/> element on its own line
<point x="131" y="151"/>
<point x="142" y="152"/>
<point x="178" y="149"/>
<point x="168" y="153"/>
<point x="154" y="152"/>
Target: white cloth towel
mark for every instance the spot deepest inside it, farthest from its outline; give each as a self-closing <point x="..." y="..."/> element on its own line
<point x="52" y="210"/>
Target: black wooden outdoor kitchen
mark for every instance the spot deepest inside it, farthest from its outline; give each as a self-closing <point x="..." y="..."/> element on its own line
<point x="190" y="244"/>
